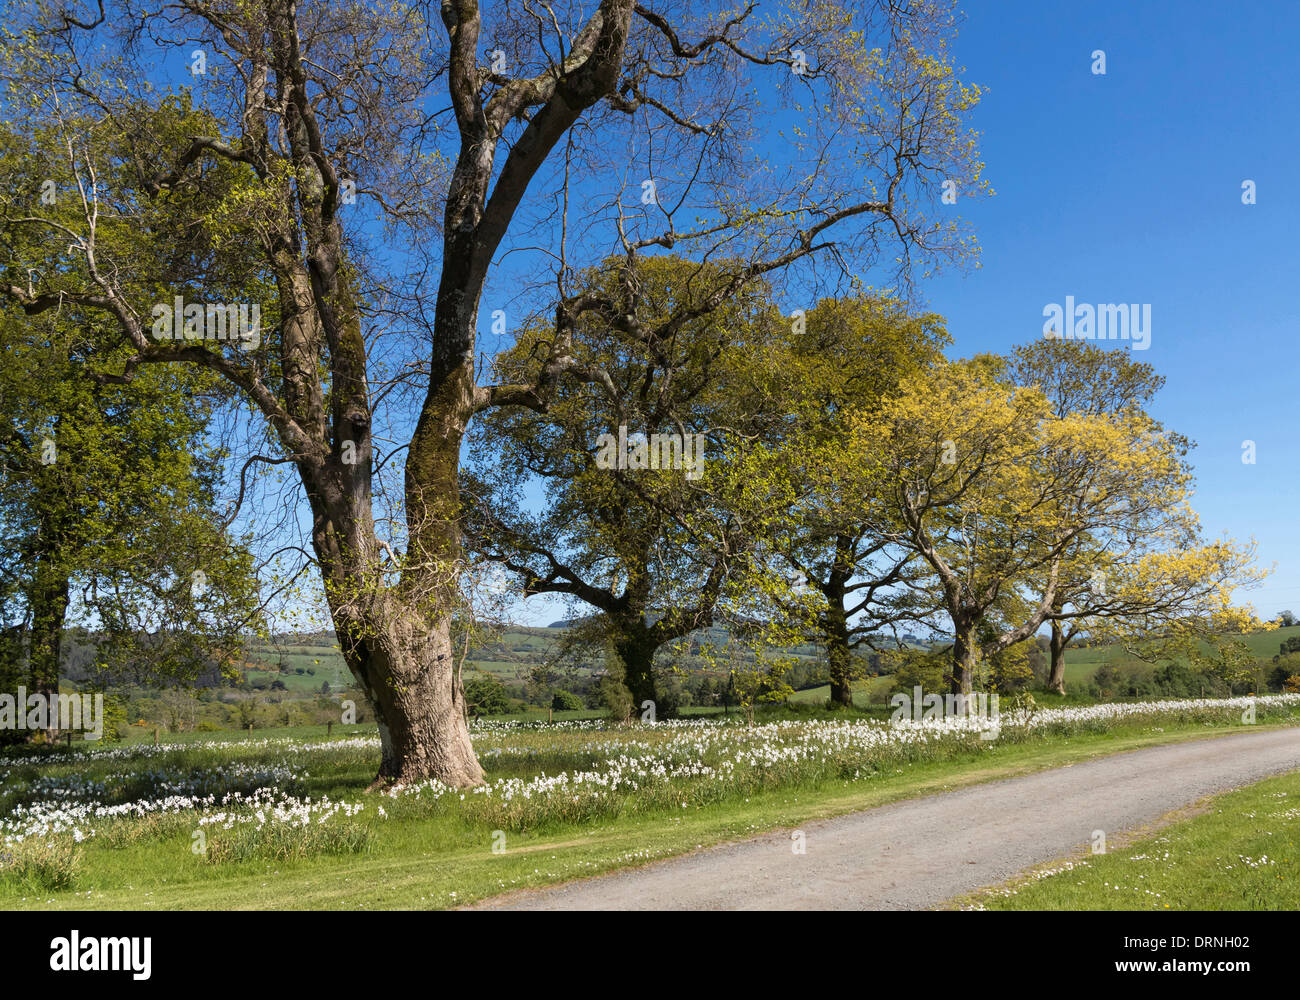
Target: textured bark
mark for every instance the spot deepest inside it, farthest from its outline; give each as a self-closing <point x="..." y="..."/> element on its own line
<point x="835" y="622"/>
<point x="637" y="652"/>
<point x="965" y="657"/>
<point x="1056" y="679"/>
<point x="408" y="673"/>
<point x="396" y="639"/>
<point x="49" y="608"/>
<point x="839" y="658"/>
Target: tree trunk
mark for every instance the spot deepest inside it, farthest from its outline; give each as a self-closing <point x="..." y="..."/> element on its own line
<point x="48" y="602"/>
<point x="839" y="658"/>
<point x="396" y="638"/>
<point x="408" y="674"/>
<point x="13" y="641"/>
<point x="965" y="657"/>
<point x="637" y="654"/>
<point x="1056" y="679"/>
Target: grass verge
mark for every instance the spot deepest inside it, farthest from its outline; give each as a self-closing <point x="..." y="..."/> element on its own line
<point x="441" y="860"/>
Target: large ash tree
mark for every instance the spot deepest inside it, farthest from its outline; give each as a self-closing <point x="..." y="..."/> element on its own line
<point x="654" y="489"/>
<point x="566" y="135"/>
<point x="1157" y="577"/>
<point x="831" y="578"/>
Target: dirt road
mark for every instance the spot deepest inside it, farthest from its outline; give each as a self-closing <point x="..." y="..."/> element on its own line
<point x="919" y="853"/>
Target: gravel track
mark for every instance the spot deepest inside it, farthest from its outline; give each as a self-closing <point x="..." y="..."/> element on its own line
<point x="919" y="853"/>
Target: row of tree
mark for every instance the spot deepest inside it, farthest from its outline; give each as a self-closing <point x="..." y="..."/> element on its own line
<point x="856" y="484"/>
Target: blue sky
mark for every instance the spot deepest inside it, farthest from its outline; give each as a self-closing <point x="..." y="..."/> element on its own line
<point x="1127" y="188"/>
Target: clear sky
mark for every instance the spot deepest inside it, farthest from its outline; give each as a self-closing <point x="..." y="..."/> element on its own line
<point x="1127" y="187"/>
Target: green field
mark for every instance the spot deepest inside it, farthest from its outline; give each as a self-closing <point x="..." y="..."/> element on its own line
<point x="319" y="659"/>
<point x="864" y="692"/>
<point x="1081" y="662"/>
<point x="302" y="663"/>
<point x="286" y="686"/>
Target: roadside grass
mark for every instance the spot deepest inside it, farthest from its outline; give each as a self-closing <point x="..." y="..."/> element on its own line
<point x="1235" y="851"/>
<point x="441" y="851"/>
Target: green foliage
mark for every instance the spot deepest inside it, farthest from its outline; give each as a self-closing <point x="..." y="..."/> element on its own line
<point x="111" y="482"/>
<point x="115" y="719"/>
<point x="761" y="682"/>
<point x="1283" y="667"/>
<point x="566" y="701"/>
<point x="485" y="695"/>
<point x="651" y="548"/>
<point x="911" y="667"/>
<point x="1007" y="670"/>
<point x="1180" y="680"/>
<point x="1136" y="679"/>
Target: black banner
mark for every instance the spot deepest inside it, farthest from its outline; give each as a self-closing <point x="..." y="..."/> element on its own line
<point x="141" y="950"/>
